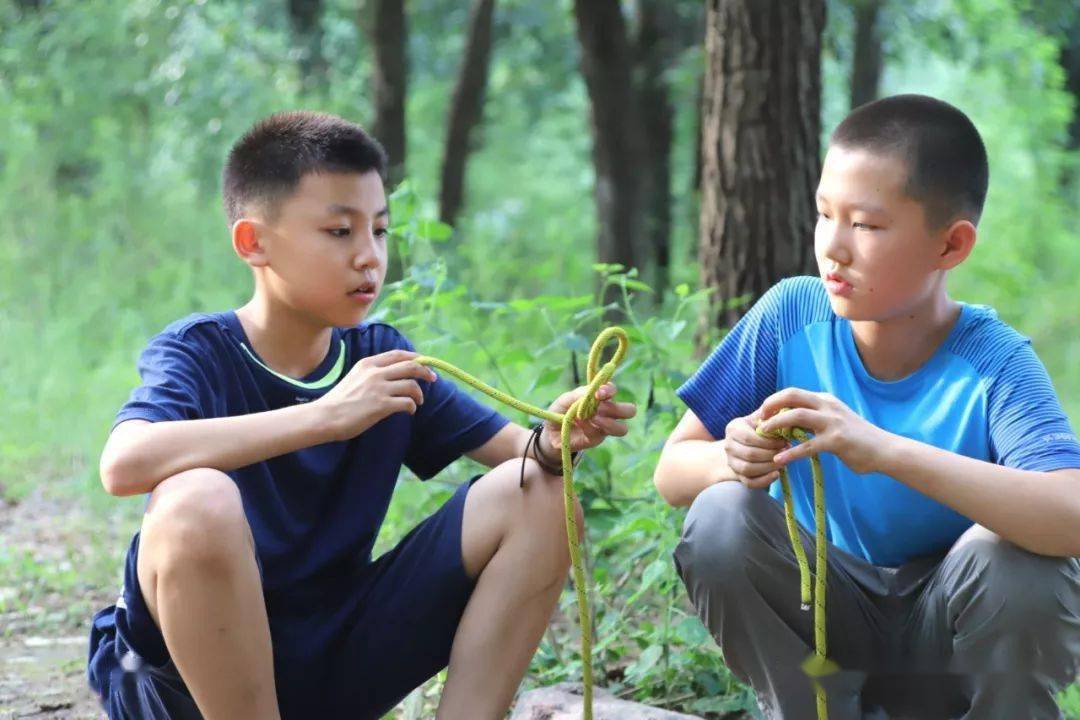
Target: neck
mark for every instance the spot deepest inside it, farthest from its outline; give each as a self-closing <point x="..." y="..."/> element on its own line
<point x="894" y="348"/>
<point x="291" y="343"/>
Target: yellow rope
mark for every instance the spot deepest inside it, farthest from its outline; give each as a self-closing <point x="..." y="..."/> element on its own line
<point x="583" y="408"/>
<point x="818" y="665"/>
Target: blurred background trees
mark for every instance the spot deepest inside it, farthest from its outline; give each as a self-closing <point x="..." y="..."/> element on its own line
<point x="554" y="163"/>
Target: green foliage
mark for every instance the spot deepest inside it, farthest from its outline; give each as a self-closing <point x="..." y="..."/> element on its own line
<point x="649" y="644"/>
<point x="114" y="120"/>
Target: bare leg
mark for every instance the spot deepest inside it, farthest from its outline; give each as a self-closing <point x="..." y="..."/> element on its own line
<point x="514" y="539"/>
<point x="201" y="584"/>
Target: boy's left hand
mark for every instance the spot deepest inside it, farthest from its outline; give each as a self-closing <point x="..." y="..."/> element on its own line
<point x="589" y="433"/>
<point x="835" y="428"/>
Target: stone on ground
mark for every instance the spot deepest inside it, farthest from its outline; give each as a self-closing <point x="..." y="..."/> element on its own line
<point x="563" y="702"/>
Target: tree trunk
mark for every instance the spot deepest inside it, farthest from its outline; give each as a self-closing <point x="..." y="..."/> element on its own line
<point x="866" y="58"/>
<point x="305" y="17"/>
<point x="389" y="78"/>
<point x="655" y="50"/>
<point x="761" y="148"/>
<point x="617" y="142"/>
<point x="466" y="109"/>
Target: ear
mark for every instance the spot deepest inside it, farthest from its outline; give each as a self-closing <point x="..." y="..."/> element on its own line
<point x="247" y="242"/>
<point x="957" y="242"/>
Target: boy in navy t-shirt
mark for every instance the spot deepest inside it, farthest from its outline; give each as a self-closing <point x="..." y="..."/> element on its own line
<point x="270" y="439"/>
<point x="952" y="477"/>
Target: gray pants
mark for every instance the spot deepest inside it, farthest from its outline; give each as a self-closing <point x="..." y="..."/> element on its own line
<point x="987" y="630"/>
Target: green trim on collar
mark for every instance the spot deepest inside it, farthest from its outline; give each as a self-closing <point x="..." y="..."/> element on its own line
<point x="327" y="380"/>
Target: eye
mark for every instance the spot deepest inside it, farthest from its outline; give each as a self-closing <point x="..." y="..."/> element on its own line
<point x="342" y="232"/>
<point x="864" y="226"/>
<point x="823" y="215"/>
<point x="381" y="233"/>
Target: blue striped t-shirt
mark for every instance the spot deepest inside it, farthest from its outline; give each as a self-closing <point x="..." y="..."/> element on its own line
<point x="984" y="393"/>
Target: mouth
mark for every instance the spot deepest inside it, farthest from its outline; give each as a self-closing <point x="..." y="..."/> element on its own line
<point x="365" y="293"/>
<point x="836" y="284"/>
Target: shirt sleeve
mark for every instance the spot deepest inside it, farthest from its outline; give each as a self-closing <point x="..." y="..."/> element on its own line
<point x="175" y="382"/>
<point x="447" y="425"/>
<point x="741" y="372"/>
<point x="1028" y="428"/>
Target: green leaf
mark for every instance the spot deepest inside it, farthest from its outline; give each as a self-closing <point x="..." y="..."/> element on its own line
<point x="434" y="230"/>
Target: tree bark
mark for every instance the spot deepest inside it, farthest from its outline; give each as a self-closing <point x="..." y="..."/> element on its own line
<point x="656" y="51"/>
<point x="389" y="79"/>
<point x="761" y="148"/>
<point x="466" y="109"/>
<point x="867" y="58"/>
<point x="305" y="17"/>
<point x="617" y="138"/>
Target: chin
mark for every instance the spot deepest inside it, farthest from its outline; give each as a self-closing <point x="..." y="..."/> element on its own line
<point x="846" y="309"/>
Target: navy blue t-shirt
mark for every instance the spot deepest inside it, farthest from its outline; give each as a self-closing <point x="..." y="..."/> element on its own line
<point x="311" y="510"/>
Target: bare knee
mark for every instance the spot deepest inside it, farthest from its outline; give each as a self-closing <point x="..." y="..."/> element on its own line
<point x="195" y="517"/>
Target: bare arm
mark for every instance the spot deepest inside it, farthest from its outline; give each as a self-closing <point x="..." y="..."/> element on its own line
<point x="1039" y="511"/>
<point x="139" y="454"/>
<point x="692" y="460"/>
<point x="509" y="443"/>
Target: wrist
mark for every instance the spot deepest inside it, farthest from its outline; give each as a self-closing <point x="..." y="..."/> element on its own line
<point x="320" y="422"/>
<point x="886" y="452"/>
<point x="540" y="452"/>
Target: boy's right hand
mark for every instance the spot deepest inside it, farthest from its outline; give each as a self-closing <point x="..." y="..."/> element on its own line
<point x="750" y="456"/>
<point x="375" y="387"/>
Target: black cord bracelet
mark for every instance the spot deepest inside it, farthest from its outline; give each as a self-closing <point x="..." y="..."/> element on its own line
<point x="534" y="440"/>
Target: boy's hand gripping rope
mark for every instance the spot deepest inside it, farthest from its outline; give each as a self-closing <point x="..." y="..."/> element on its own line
<point x="817" y="665"/>
<point x="583" y="408"/>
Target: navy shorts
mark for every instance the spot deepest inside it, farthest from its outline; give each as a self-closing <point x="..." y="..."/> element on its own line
<point x="351" y="648"/>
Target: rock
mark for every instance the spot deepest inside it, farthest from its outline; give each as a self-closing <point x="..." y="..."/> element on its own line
<point x="563" y="702"/>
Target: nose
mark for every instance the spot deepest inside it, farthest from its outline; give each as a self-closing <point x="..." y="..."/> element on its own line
<point x="832" y="240"/>
<point x="365" y="249"/>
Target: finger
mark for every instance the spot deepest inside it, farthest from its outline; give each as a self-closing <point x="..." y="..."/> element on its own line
<point x="791" y="397"/>
<point x="621" y="410"/>
<point x="390" y="357"/>
<point x="408" y="369"/>
<point x="406" y="388"/>
<point x="802" y="450"/>
<point x="610" y="426"/>
<point x="605" y="391"/>
<point x="589" y="429"/>
<point x="746" y="469"/>
<point x="810" y="420"/>
<point x="747" y="453"/>
<point x="564" y="401"/>
<point x="761" y="481"/>
<point x="401" y="404"/>
<point x="747" y="434"/>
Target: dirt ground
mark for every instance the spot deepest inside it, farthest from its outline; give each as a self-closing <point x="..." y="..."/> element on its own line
<point x="59" y="561"/>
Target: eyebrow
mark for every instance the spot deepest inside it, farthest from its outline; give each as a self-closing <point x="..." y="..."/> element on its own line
<point x="349" y="210"/>
<point x="872" y="209"/>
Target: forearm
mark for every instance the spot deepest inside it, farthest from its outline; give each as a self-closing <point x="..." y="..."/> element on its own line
<point x="138" y="457"/>
<point x="1037" y="511"/>
<point x="689" y="466"/>
<point x="509" y="444"/>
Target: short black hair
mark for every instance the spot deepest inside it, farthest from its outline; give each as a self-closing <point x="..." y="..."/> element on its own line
<point x="265" y="165"/>
<point x="947" y="168"/>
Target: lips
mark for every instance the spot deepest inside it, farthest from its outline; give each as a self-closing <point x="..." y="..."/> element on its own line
<point x="837" y="284"/>
<point x="364" y="293"/>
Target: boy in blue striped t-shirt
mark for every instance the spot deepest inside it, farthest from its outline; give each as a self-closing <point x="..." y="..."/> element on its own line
<point x="952" y="477"/>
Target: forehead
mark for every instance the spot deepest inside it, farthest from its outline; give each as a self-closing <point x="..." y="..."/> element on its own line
<point x="862" y="176"/>
<point x="317" y="192"/>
